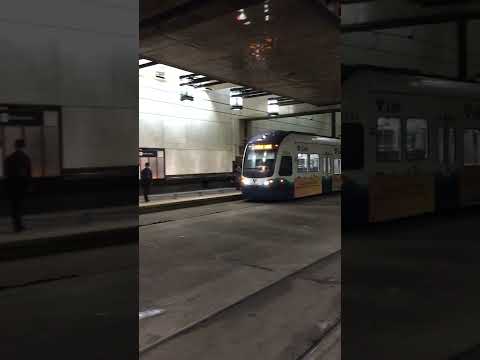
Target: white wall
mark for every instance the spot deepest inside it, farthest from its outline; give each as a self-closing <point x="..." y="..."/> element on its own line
<point x="204" y="135"/>
<point x="198" y="136"/>
<point x="319" y="124"/>
<point x="81" y="55"/>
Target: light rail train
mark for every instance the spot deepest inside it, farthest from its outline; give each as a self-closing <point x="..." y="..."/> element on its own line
<point x="283" y="165"/>
<point x="412" y="145"/>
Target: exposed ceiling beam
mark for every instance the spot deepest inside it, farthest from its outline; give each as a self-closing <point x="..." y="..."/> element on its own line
<point x="199" y="80"/>
<point x="258" y="94"/>
<point x="288" y="103"/>
<point x="325" y="110"/>
<point x="210" y="83"/>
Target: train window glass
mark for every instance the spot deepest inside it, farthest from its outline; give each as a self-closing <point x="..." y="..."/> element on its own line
<point x="259" y="163"/>
<point x="389" y="139"/>
<point x="417" y="139"/>
<point x="353" y="147"/>
<point x="441" y="144"/>
<point x="451" y="146"/>
<point x="302" y="163"/>
<point x="471" y="140"/>
<point x="337" y="167"/>
<point x="285" y="166"/>
<point x="315" y="162"/>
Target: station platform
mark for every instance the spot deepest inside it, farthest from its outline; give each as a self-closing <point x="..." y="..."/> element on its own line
<point x="170" y="201"/>
<point x="65" y="231"/>
<point x="89" y="228"/>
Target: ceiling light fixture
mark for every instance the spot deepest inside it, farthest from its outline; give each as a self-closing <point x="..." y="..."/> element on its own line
<point x="241" y="16"/>
<point x="186" y="90"/>
<point x="236" y="100"/>
<point x="143" y="62"/>
<point x="273" y="108"/>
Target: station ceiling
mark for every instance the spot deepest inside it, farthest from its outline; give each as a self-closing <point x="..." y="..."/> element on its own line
<point x="294" y="52"/>
<point x="433" y="37"/>
<point x="370" y="15"/>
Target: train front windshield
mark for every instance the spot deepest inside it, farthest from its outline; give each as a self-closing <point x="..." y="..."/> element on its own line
<point x="259" y="163"/>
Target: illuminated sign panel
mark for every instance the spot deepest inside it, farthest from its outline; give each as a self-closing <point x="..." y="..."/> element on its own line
<point x="262" y="147"/>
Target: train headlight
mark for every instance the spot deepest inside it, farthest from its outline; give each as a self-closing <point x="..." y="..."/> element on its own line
<point x="267" y="182"/>
<point x="244" y="180"/>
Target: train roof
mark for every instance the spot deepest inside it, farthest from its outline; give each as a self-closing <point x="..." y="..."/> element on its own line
<point x="277" y="136"/>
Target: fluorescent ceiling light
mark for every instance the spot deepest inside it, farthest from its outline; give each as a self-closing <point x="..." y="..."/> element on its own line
<point x="143" y="62"/>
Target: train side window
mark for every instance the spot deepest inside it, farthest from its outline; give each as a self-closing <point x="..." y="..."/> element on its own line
<point x="389" y="139"/>
<point x="417" y="139"/>
<point x="285" y="166"/>
<point x="337" y="166"/>
<point x="471" y="147"/>
<point x="330" y="166"/>
<point x="302" y="163"/>
<point x="353" y="147"/>
<point x="315" y="162"/>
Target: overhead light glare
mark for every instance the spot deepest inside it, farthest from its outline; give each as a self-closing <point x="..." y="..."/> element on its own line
<point x="143" y="62"/>
<point x="272" y="107"/>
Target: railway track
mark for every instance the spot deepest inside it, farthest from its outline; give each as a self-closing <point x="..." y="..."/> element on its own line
<point x="223" y="311"/>
<point x="330" y="339"/>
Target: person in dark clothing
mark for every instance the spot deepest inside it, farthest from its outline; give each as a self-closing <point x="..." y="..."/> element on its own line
<point x="18" y="172"/>
<point x="146" y="181"/>
<point x="237" y="175"/>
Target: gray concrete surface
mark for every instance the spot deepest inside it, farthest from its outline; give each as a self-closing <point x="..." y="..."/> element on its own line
<point x="61" y="224"/>
<point x="196" y="262"/>
<point x="80" y="305"/>
<point x="280" y="323"/>
<point x="410" y="289"/>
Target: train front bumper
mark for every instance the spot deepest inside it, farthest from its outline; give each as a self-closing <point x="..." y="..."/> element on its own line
<point x="274" y="191"/>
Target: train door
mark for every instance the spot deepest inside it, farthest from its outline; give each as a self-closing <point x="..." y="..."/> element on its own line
<point x="337" y="174"/>
<point x="285" y="172"/>
<point x="307" y="179"/>
<point x="470" y="175"/>
<point x="447" y="181"/>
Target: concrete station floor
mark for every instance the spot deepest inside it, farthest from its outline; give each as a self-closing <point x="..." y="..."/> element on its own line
<point x="410" y="289"/>
<point x="241" y="280"/>
<point x="74" y="305"/>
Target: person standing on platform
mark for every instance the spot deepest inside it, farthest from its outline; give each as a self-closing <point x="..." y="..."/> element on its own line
<point x="146" y="181"/>
<point x="237" y="175"/>
<point x="18" y="172"/>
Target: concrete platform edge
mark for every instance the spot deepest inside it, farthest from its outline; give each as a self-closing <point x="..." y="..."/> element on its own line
<point x="15" y="250"/>
<point x="188" y="203"/>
